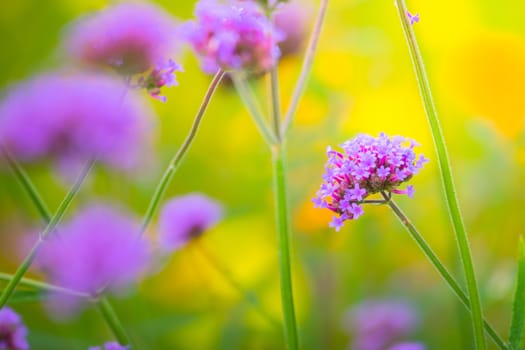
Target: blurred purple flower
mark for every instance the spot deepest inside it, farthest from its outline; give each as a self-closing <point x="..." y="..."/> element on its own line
<point x="99" y="246"/>
<point x="233" y="35"/>
<point x="413" y="18"/>
<point x="376" y="324"/>
<point x="13" y="333"/>
<point x="367" y="165"/>
<point x="293" y="20"/>
<point x="110" y="346"/>
<point x="73" y="118"/>
<point x="186" y="217"/>
<point x="407" y="346"/>
<point x="133" y="38"/>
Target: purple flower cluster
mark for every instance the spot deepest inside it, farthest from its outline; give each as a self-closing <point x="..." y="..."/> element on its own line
<point x="96" y="248"/>
<point x="233" y="35"/>
<point x="133" y="38"/>
<point x="407" y="346"/>
<point x="72" y="118"/>
<point x="110" y="346"/>
<point x="367" y="165"/>
<point x="378" y="324"/>
<point x="13" y="333"/>
<point x="186" y="217"/>
<point x="293" y="19"/>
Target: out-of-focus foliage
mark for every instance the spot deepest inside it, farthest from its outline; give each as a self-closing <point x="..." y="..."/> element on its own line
<point x="362" y="82"/>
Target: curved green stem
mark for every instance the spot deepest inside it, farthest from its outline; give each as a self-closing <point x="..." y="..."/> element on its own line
<point x="28" y="186"/>
<point x="31" y="283"/>
<point x="283" y="228"/>
<point x="305" y="69"/>
<point x="440" y="267"/>
<point x="179" y="156"/>
<point x="113" y="321"/>
<point x="446" y="176"/>
<point x="22" y="269"/>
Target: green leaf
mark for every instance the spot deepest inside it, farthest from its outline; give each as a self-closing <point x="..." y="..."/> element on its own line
<point x="27" y="296"/>
<point x="518" y="313"/>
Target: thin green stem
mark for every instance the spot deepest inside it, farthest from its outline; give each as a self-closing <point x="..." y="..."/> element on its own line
<point x="28" y="186"/>
<point x="249" y="100"/>
<point x="446" y="176"/>
<point x="31" y="283"/>
<point x="22" y="269"/>
<point x="306" y="68"/>
<point x="226" y="275"/>
<point x="283" y="228"/>
<point x="179" y="156"/>
<point x="440" y="267"/>
<point x="113" y="321"/>
<point x="276" y="103"/>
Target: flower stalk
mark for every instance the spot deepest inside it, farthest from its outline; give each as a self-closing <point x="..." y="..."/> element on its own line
<point x="446" y="175"/>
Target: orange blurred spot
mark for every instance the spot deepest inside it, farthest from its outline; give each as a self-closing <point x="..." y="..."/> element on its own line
<point x="309" y="219"/>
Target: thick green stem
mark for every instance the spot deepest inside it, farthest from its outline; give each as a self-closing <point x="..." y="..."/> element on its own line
<point x="22" y="269"/>
<point x="31" y="283"/>
<point x="28" y="186"/>
<point x="446" y="175"/>
<point x="306" y="68"/>
<point x="179" y="156"/>
<point x="440" y="267"/>
<point x="283" y="228"/>
<point x="250" y="102"/>
<point x="113" y="321"/>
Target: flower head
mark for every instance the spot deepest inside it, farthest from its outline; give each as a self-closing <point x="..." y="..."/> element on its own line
<point x="73" y="118"/>
<point x="366" y="166"/>
<point x="233" y="35"/>
<point x="97" y="249"/>
<point x="376" y="324"/>
<point x="110" y="346"/>
<point x="186" y="217"/>
<point x="292" y="18"/>
<point x="132" y="38"/>
<point x="13" y="333"/>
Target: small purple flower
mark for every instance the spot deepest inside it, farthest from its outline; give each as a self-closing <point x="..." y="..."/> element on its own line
<point x="233" y="35"/>
<point x="186" y="217"/>
<point x="72" y="118"/>
<point x="13" y="332"/>
<point x="110" y="346"/>
<point x="407" y="346"/>
<point x="97" y="249"/>
<point x="376" y="324"/>
<point x="132" y="38"/>
<point x="368" y="165"/>
<point x="413" y="18"/>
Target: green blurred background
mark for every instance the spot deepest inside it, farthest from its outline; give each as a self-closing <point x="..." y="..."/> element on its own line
<point x="362" y="82"/>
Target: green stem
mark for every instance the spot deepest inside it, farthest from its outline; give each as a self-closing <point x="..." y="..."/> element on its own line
<point x="179" y="156"/>
<point x="306" y="67"/>
<point x="276" y="103"/>
<point x="283" y="228"/>
<point x="22" y="269"/>
<point x="446" y="176"/>
<point x="440" y="267"/>
<point x="113" y="321"/>
<point x="223" y="271"/>
<point x="28" y="186"/>
<point x="31" y="283"/>
<point x="247" y="97"/>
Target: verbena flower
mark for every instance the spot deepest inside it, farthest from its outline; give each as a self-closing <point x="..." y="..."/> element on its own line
<point x="413" y="18"/>
<point x="74" y="118"/>
<point x="133" y="38"/>
<point x="186" y="217"/>
<point x="233" y="35"/>
<point x="13" y="332"/>
<point x="377" y="324"/>
<point x="293" y="20"/>
<point x="407" y="346"/>
<point x="366" y="166"/>
<point x="110" y="346"/>
<point x="97" y="249"/>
